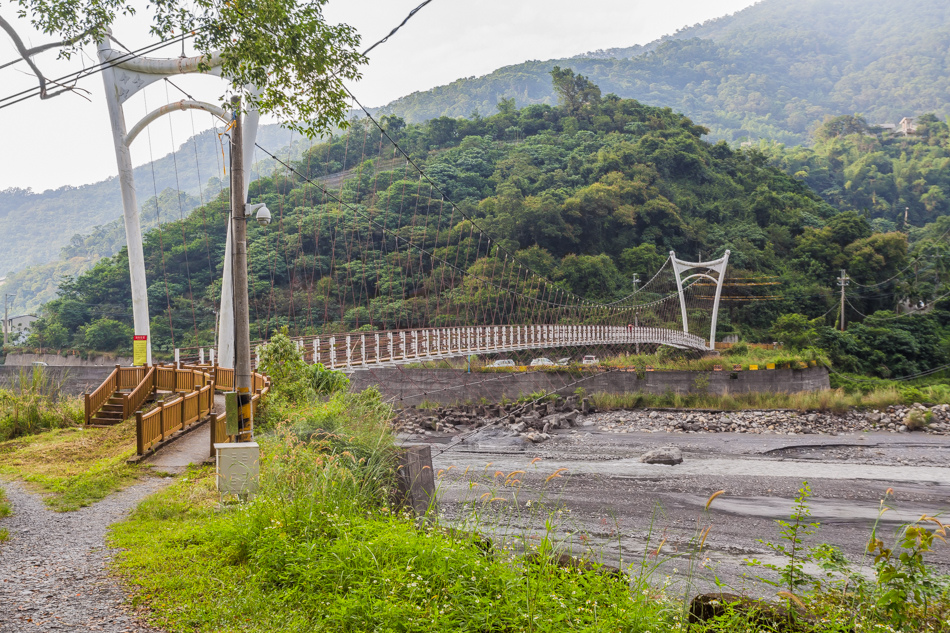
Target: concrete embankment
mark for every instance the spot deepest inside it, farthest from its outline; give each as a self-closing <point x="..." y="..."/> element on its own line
<point x="67" y="360"/>
<point x="450" y="386"/>
<point x="72" y="381"/>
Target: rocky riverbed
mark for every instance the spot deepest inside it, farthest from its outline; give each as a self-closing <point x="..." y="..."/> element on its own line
<point x="536" y="422"/>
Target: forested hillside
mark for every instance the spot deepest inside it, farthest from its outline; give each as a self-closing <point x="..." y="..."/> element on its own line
<point x="773" y="71"/>
<point x="884" y="175"/>
<point x="587" y="194"/>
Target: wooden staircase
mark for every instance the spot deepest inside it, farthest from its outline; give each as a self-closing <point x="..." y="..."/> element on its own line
<point x="187" y="394"/>
<point x="112" y="412"/>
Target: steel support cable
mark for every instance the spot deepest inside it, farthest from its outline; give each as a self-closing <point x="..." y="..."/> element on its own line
<point x="369" y="239"/>
<point x="422" y="174"/>
<point x="331" y="272"/>
<point x="181" y="218"/>
<point x="355" y="238"/>
<point x="316" y="246"/>
<point x="338" y="199"/>
<point x="158" y="215"/>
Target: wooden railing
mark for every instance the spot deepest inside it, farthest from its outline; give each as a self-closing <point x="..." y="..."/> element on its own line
<point x="133" y="401"/>
<point x="169" y="417"/>
<point x="199" y="384"/>
<point x="101" y="395"/>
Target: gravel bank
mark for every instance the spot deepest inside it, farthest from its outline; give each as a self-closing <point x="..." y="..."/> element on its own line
<point x="53" y="569"/>
<point x="536" y="423"/>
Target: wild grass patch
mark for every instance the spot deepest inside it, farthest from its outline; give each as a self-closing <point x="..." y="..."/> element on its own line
<point x="33" y="404"/>
<point x="323" y="548"/>
<point x="827" y="400"/>
<point x="5" y="508"/>
<point x="73" y="466"/>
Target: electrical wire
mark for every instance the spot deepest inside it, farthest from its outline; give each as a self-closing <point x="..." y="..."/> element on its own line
<point x="92" y="70"/>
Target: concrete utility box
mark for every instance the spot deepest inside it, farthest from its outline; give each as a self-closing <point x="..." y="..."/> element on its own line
<point x="238" y="466"/>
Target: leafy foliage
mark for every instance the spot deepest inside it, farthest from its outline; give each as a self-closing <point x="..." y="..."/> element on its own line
<point x="882" y="175"/>
<point x="294" y="379"/>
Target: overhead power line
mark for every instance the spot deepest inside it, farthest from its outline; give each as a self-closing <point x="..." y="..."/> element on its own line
<point x="29" y="93"/>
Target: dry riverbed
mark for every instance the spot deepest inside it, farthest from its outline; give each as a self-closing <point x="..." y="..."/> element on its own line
<point x="608" y="505"/>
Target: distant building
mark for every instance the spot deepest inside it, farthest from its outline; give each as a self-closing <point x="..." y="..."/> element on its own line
<point x="908" y="125"/>
<point x="19" y="324"/>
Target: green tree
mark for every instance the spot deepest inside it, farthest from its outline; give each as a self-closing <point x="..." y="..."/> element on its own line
<point x="106" y="335"/>
<point x="283" y="47"/>
<point x="573" y="91"/>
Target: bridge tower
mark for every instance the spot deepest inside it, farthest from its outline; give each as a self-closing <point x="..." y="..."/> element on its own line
<point x="718" y="267"/>
<point x="124" y="75"/>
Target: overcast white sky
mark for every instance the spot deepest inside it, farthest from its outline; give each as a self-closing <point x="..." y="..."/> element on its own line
<point x="66" y="140"/>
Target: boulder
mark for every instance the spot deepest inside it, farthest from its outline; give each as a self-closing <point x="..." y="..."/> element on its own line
<point x="669" y="455"/>
<point x="775" y="617"/>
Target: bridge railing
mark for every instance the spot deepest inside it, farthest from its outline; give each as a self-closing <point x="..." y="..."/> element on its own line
<point x="390" y="347"/>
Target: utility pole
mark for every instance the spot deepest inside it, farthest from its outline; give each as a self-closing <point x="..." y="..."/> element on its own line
<point x="242" y="328"/>
<point x="6" y="317"/>
<point x="636" y="281"/>
<point x="842" y="281"/>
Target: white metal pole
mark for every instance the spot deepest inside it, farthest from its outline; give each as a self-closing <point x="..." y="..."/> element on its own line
<point x="130" y="207"/>
<point x="715" y="312"/>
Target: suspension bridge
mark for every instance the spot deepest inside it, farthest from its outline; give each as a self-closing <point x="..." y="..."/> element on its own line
<point x="371" y="264"/>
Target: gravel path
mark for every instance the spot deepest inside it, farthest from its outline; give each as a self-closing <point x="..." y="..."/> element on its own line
<point x="53" y="569"/>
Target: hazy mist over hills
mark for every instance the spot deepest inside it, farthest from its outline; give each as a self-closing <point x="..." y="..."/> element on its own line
<point x="772" y="71"/>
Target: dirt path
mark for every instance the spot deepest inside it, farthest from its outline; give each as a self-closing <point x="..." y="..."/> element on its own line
<point x="53" y="573"/>
<point x="175" y="458"/>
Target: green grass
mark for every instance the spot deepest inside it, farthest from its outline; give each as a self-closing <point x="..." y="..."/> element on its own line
<point x="5" y="509"/>
<point x="74" y="466"/>
<point x="33" y="405"/>
<point x="321" y="549"/>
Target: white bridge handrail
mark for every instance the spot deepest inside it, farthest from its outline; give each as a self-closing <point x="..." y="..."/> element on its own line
<point x="364" y="350"/>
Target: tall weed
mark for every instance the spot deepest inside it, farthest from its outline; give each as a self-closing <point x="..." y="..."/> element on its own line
<point x="33" y="404"/>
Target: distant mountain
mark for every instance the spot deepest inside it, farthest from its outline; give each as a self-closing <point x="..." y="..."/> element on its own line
<point x="57" y="215"/>
<point x="772" y="71"/>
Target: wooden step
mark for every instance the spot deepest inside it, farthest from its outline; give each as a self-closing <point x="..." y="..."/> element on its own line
<point x="98" y="422"/>
<point x="114" y="408"/>
<point x="110" y="415"/>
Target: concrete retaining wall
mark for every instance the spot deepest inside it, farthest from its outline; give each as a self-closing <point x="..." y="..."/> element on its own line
<point x="446" y="386"/>
<point x="58" y="360"/>
<point x="73" y="381"/>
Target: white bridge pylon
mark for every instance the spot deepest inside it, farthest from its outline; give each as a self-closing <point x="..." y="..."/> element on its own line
<point x="122" y="80"/>
<point x="717" y="266"/>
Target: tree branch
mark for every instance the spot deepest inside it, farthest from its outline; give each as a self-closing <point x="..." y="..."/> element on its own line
<point x="27" y="54"/>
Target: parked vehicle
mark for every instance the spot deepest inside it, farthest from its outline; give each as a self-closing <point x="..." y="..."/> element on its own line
<point x="564" y="362"/>
<point x="589" y="360"/>
<point x="503" y="363"/>
<point x="542" y="362"/>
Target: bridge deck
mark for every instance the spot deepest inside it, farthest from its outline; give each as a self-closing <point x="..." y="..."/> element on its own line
<point x="358" y="350"/>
